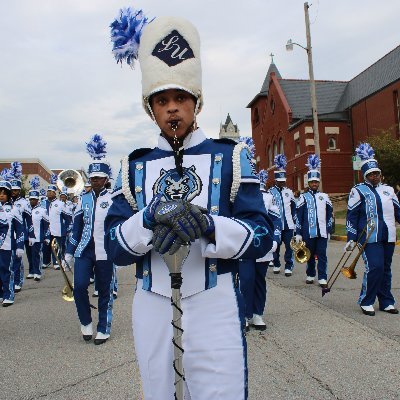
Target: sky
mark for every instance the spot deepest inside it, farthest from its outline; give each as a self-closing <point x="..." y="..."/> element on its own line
<point x="59" y="83"/>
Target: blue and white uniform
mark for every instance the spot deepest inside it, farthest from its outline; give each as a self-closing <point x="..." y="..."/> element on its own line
<point x="286" y="204"/>
<point x="13" y="240"/>
<point x="252" y="272"/>
<point x="24" y="207"/>
<point x="60" y="219"/>
<point x="40" y="220"/>
<point x="87" y="245"/>
<point x="220" y="177"/>
<point x="381" y="205"/>
<point x="46" y="249"/>
<point x="314" y="224"/>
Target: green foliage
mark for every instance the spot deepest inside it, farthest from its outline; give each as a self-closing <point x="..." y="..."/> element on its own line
<point x="387" y="152"/>
<point x="25" y="186"/>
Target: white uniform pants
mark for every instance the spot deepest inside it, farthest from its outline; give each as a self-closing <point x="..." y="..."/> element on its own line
<point x="214" y="360"/>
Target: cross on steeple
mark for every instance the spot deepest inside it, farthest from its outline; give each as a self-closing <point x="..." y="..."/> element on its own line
<point x="272" y="58"/>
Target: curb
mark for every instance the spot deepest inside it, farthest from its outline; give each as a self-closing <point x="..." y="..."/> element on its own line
<point x="344" y="239"/>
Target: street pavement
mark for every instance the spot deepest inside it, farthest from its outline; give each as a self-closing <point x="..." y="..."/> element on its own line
<point x="314" y="347"/>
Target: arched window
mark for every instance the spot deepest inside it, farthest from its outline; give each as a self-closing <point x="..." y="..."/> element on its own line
<point x="331" y="143"/>
<point x="270" y="156"/>
<point x="275" y="149"/>
<point x="281" y="146"/>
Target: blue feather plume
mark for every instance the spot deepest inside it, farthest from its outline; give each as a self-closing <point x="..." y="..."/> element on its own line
<point x="35" y="182"/>
<point x="250" y="143"/>
<point x="365" y="151"/>
<point x="42" y="192"/>
<point x="53" y="179"/>
<point x="96" y="147"/>
<point x="16" y="169"/>
<point x="126" y="31"/>
<point x="263" y="176"/>
<point x="5" y="174"/>
<point x="314" y="162"/>
<point x="280" y="162"/>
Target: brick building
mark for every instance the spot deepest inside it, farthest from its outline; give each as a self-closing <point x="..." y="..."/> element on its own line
<point x="348" y="113"/>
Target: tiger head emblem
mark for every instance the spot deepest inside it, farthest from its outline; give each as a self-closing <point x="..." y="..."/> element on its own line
<point x="176" y="187"/>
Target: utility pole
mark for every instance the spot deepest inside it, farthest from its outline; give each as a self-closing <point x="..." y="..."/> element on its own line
<point x="312" y="87"/>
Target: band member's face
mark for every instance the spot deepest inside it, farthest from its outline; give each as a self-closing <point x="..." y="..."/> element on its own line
<point x="63" y="198"/>
<point x="98" y="182"/>
<point x="75" y="200"/>
<point x="374" y="178"/>
<point x="51" y="195"/>
<point x="33" y="202"/>
<point x="15" y="192"/>
<point x="314" y="185"/>
<point x="88" y="189"/>
<point x="3" y="196"/>
<point x="280" y="183"/>
<point x="173" y="109"/>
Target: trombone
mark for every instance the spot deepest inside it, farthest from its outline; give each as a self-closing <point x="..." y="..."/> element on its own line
<point x="68" y="290"/>
<point x="349" y="272"/>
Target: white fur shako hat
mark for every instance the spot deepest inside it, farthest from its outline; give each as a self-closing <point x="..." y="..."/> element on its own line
<point x="168" y="49"/>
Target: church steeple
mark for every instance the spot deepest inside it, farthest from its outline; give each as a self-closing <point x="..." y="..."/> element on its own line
<point x="272" y="68"/>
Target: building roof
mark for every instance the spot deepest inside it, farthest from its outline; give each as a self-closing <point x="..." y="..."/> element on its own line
<point x="379" y="75"/>
<point x="297" y="94"/>
<point x="265" y="85"/>
<point x="227" y="122"/>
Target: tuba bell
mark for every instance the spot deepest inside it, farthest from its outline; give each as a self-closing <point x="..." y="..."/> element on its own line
<point x="301" y="252"/>
<point x="72" y="180"/>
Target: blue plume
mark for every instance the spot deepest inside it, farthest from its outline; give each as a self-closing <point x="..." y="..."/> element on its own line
<point x="250" y="143"/>
<point x="263" y="176"/>
<point x="42" y="192"/>
<point x="16" y="169"/>
<point x="365" y="151"/>
<point x="5" y="175"/>
<point x="126" y="31"/>
<point x="53" y="179"/>
<point x="96" y="147"/>
<point x="280" y="162"/>
<point x="314" y="162"/>
<point x="35" y="182"/>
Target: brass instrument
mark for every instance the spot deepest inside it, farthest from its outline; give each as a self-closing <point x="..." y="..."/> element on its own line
<point x="349" y="272"/>
<point x="68" y="290"/>
<point x="301" y="252"/>
<point x="72" y="180"/>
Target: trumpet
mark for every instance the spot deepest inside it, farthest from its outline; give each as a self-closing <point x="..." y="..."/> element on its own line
<point x="301" y="252"/>
<point x="68" y="290"/>
<point x="349" y="272"/>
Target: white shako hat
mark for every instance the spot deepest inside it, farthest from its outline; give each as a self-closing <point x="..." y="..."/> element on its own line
<point x="168" y="49"/>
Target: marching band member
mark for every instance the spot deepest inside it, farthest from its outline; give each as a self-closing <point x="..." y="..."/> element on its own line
<point x="59" y="217"/>
<point x="87" y="187"/>
<point x="25" y="209"/>
<point x="45" y="203"/>
<point x="252" y="272"/>
<point x="285" y="201"/>
<point x="157" y="193"/>
<point x="314" y="222"/>
<point x="11" y="241"/>
<point x="376" y="202"/>
<point x="40" y="220"/>
<point x="87" y="245"/>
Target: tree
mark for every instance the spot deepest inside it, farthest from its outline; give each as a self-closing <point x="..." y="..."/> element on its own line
<point x="387" y="153"/>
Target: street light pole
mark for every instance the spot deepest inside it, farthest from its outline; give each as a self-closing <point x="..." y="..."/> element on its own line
<point x="312" y="86"/>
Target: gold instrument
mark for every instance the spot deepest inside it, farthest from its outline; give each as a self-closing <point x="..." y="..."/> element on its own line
<point x="68" y="290"/>
<point x="301" y="252"/>
<point x="72" y="180"/>
<point x="349" y="272"/>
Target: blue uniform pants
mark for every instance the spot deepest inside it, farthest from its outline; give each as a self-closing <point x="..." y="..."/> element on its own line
<point x="377" y="281"/>
<point x="7" y="274"/>
<point x="18" y="266"/>
<point x="28" y="250"/>
<point x="46" y="253"/>
<point x="115" y="289"/>
<point x="253" y="286"/>
<point x="286" y="237"/>
<point x="36" y="258"/>
<point x="317" y="247"/>
<point x="105" y="283"/>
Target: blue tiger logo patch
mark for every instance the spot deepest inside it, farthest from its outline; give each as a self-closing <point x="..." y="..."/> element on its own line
<point x="175" y="187"/>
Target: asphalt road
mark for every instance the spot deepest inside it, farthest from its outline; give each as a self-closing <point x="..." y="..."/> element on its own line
<point x="314" y="347"/>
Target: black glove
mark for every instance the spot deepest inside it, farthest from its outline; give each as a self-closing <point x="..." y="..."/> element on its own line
<point x="185" y="219"/>
<point x="166" y="240"/>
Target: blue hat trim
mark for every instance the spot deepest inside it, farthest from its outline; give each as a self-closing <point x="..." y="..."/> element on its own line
<point x="16" y="183"/>
<point x="34" y="194"/>
<point x="280" y="176"/>
<point x="52" y="187"/>
<point x="369" y="166"/>
<point x="5" y="185"/>
<point x="313" y="175"/>
<point x="101" y="169"/>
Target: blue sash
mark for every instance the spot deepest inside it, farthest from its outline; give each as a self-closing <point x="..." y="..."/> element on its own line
<point x="277" y="195"/>
<point x="371" y="210"/>
<point x="88" y="207"/>
<point x="311" y="215"/>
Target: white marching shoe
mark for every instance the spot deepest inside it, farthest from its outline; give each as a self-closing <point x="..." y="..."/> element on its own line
<point x="310" y="279"/>
<point x="101" y="338"/>
<point x="37" y="277"/>
<point x="258" y="322"/>
<point x="95" y="293"/>
<point x="29" y="276"/>
<point x="288" y="272"/>
<point x="322" y="283"/>
<point x="7" y="303"/>
<point x="87" y="332"/>
<point x="368" y="310"/>
<point x="276" y="270"/>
